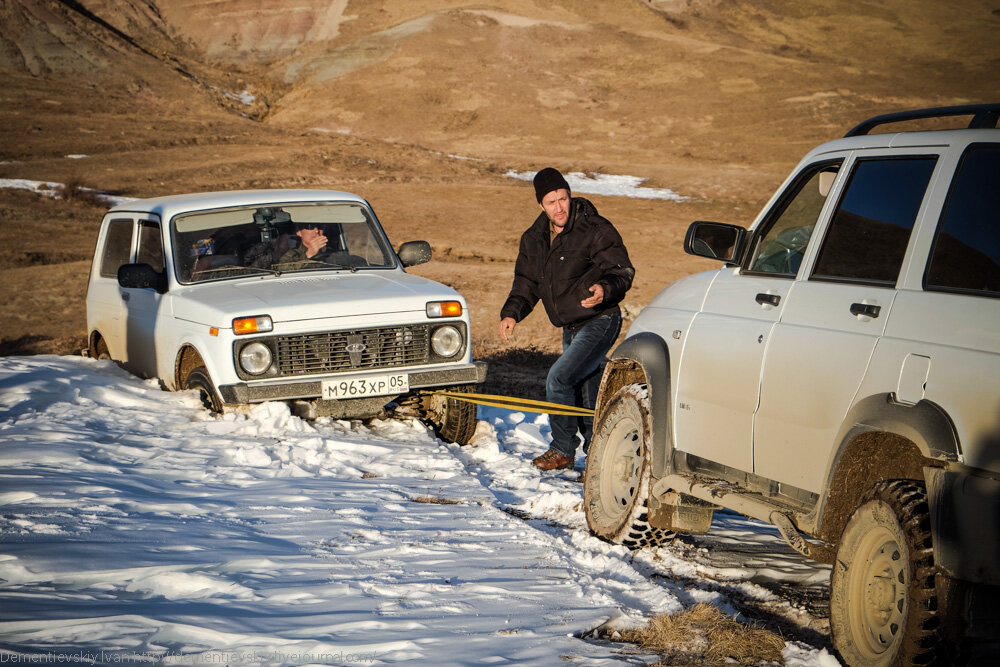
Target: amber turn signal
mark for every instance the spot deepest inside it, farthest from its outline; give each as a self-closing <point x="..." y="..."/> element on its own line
<point x="249" y="325"/>
<point x="444" y="309"/>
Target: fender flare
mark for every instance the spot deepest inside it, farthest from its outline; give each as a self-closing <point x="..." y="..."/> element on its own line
<point x="651" y="353"/>
<point x="926" y="425"/>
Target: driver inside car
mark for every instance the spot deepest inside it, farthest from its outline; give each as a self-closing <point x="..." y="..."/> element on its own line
<point x="314" y="247"/>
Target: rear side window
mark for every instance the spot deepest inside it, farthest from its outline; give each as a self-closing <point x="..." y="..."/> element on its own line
<point x="871" y="227"/>
<point x="117" y="247"/>
<point x="966" y="254"/>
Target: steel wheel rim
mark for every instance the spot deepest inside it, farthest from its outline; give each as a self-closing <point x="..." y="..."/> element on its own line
<point x="880" y="585"/>
<point x="622" y="460"/>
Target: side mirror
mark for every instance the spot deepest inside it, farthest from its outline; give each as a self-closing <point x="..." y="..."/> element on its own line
<point x="716" y="240"/>
<point x="412" y="253"/>
<point x="141" y="276"/>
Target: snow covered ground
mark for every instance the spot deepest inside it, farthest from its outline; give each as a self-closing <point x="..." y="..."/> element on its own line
<point x="52" y="189"/>
<point x="135" y="528"/>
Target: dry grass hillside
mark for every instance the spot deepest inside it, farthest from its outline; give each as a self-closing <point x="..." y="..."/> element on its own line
<point x="423" y="106"/>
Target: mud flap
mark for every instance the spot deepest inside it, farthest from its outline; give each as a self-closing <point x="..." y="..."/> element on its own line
<point x="681" y="513"/>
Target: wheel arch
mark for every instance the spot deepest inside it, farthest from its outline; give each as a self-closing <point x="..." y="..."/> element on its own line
<point x="187" y="359"/>
<point x="94" y="342"/>
<point x="882" y="440"/>
<point x="644" y="358"/>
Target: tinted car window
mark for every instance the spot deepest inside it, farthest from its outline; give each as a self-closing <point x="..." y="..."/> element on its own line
<point x="117" y="247"/>
<point x="779" y="250"/>
<point x="871" y="227"/>
<point x="966" y="254"/>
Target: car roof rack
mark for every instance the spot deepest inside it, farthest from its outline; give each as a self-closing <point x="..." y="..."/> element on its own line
<point x="983" y="116"/>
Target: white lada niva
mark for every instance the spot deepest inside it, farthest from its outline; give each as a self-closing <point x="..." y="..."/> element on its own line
<point x="280" y="295"/>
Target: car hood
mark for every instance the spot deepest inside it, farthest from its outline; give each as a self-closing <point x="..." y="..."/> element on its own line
<point x="290" y="298"/>
<point x="687" y="293"/>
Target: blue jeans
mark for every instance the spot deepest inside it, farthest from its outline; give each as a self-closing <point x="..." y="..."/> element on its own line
<point x="575" y="377"/>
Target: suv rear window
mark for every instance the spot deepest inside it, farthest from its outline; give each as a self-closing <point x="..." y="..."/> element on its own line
<point x="871" y="228"/>
<point x="966" y="254"/>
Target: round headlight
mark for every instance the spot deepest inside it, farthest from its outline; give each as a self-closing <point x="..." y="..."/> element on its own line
<point x="255" y="358"/>
<point x="446" y="341"/>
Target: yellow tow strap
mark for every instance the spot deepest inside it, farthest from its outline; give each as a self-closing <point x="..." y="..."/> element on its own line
<point x="526" y="404"/>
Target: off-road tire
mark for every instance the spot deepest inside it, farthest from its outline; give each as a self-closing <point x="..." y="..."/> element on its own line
<point x="616" y="480"/>
<point x="101" y="350"/>
<point x="199" y="380"/>
<point x="453" y="420"/>
<point x="883" y="600"/>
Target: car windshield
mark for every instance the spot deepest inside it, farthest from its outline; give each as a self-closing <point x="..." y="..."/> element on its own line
<point x="239" y="242"/>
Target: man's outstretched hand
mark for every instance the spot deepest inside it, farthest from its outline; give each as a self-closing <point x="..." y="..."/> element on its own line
<point x="507" y="325"/>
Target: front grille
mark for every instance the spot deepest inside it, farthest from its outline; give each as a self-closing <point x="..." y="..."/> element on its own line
<point x="362" y="349"/>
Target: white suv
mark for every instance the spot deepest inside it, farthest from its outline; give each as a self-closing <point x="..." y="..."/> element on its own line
<point x="839" y="377"/>
<point x="215" y="292"/>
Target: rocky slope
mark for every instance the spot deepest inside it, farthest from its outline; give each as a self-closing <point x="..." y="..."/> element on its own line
<point x="424" y="105"/>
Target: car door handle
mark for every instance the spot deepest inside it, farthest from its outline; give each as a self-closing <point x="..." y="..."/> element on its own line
<point x="768" y="299"/>
<point x="125" y="296"/>
<point x="866" y="309"/>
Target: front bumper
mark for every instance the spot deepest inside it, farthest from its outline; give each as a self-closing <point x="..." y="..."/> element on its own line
<point x="243" y="392"/>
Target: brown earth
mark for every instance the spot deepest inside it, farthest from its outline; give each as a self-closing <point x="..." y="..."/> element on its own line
<point x="423" y="106"/>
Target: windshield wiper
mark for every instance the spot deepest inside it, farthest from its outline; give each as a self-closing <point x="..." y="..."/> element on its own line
<point x="351" y="268"/>
<point x="235" y="267"/>
<point x="273" y="272"/>
<point x="314" y="264"/>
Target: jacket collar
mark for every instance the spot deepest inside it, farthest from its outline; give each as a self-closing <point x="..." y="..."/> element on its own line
<point x="578" y="207"/>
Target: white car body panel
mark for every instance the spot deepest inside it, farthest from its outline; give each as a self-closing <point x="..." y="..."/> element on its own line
<point x="310" y="296"/>
<point x="839" y="374"/>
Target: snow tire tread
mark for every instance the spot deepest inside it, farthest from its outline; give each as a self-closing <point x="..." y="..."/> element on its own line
<point x="921" y="643"/>
<point x="635" y="531"/>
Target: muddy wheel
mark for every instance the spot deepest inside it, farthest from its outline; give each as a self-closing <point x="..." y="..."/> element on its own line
<point x="883" y="603"/>
<point x="199" y="380"/>
<point x="453" y="420"/>
<point x="616" y="481"/>
<point x="101" y="350"/>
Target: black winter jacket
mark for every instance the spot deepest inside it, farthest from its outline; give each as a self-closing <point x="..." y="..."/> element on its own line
<point x="589" y="250"/>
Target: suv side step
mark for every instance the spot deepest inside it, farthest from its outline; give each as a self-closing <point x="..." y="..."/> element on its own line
<point x="747" y="503"/>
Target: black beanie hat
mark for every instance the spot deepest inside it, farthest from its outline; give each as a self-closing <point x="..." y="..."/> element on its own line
<point x="547" y="180"/>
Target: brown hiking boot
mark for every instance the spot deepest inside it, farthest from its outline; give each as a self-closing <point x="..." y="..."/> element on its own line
<point x="553" y="460"/>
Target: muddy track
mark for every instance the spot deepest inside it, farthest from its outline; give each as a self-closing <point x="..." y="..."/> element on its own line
<point x="798" y="612"/>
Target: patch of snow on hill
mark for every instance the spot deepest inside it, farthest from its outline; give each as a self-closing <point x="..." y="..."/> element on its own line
<point x="51" y="189"/>
<point x="607" y="184"/>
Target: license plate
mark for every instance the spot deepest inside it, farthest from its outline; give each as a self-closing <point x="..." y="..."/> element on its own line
<point x="370" y="385"/>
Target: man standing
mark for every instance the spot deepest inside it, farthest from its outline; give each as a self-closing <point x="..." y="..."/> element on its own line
<point x="576" y="263"/>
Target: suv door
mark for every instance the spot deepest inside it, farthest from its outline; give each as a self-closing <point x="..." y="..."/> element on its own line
<point x="727" y="338"/>
<point x="821" y="348"/>
<point x="105" y="300"/>
<point x="142" y="305"/>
